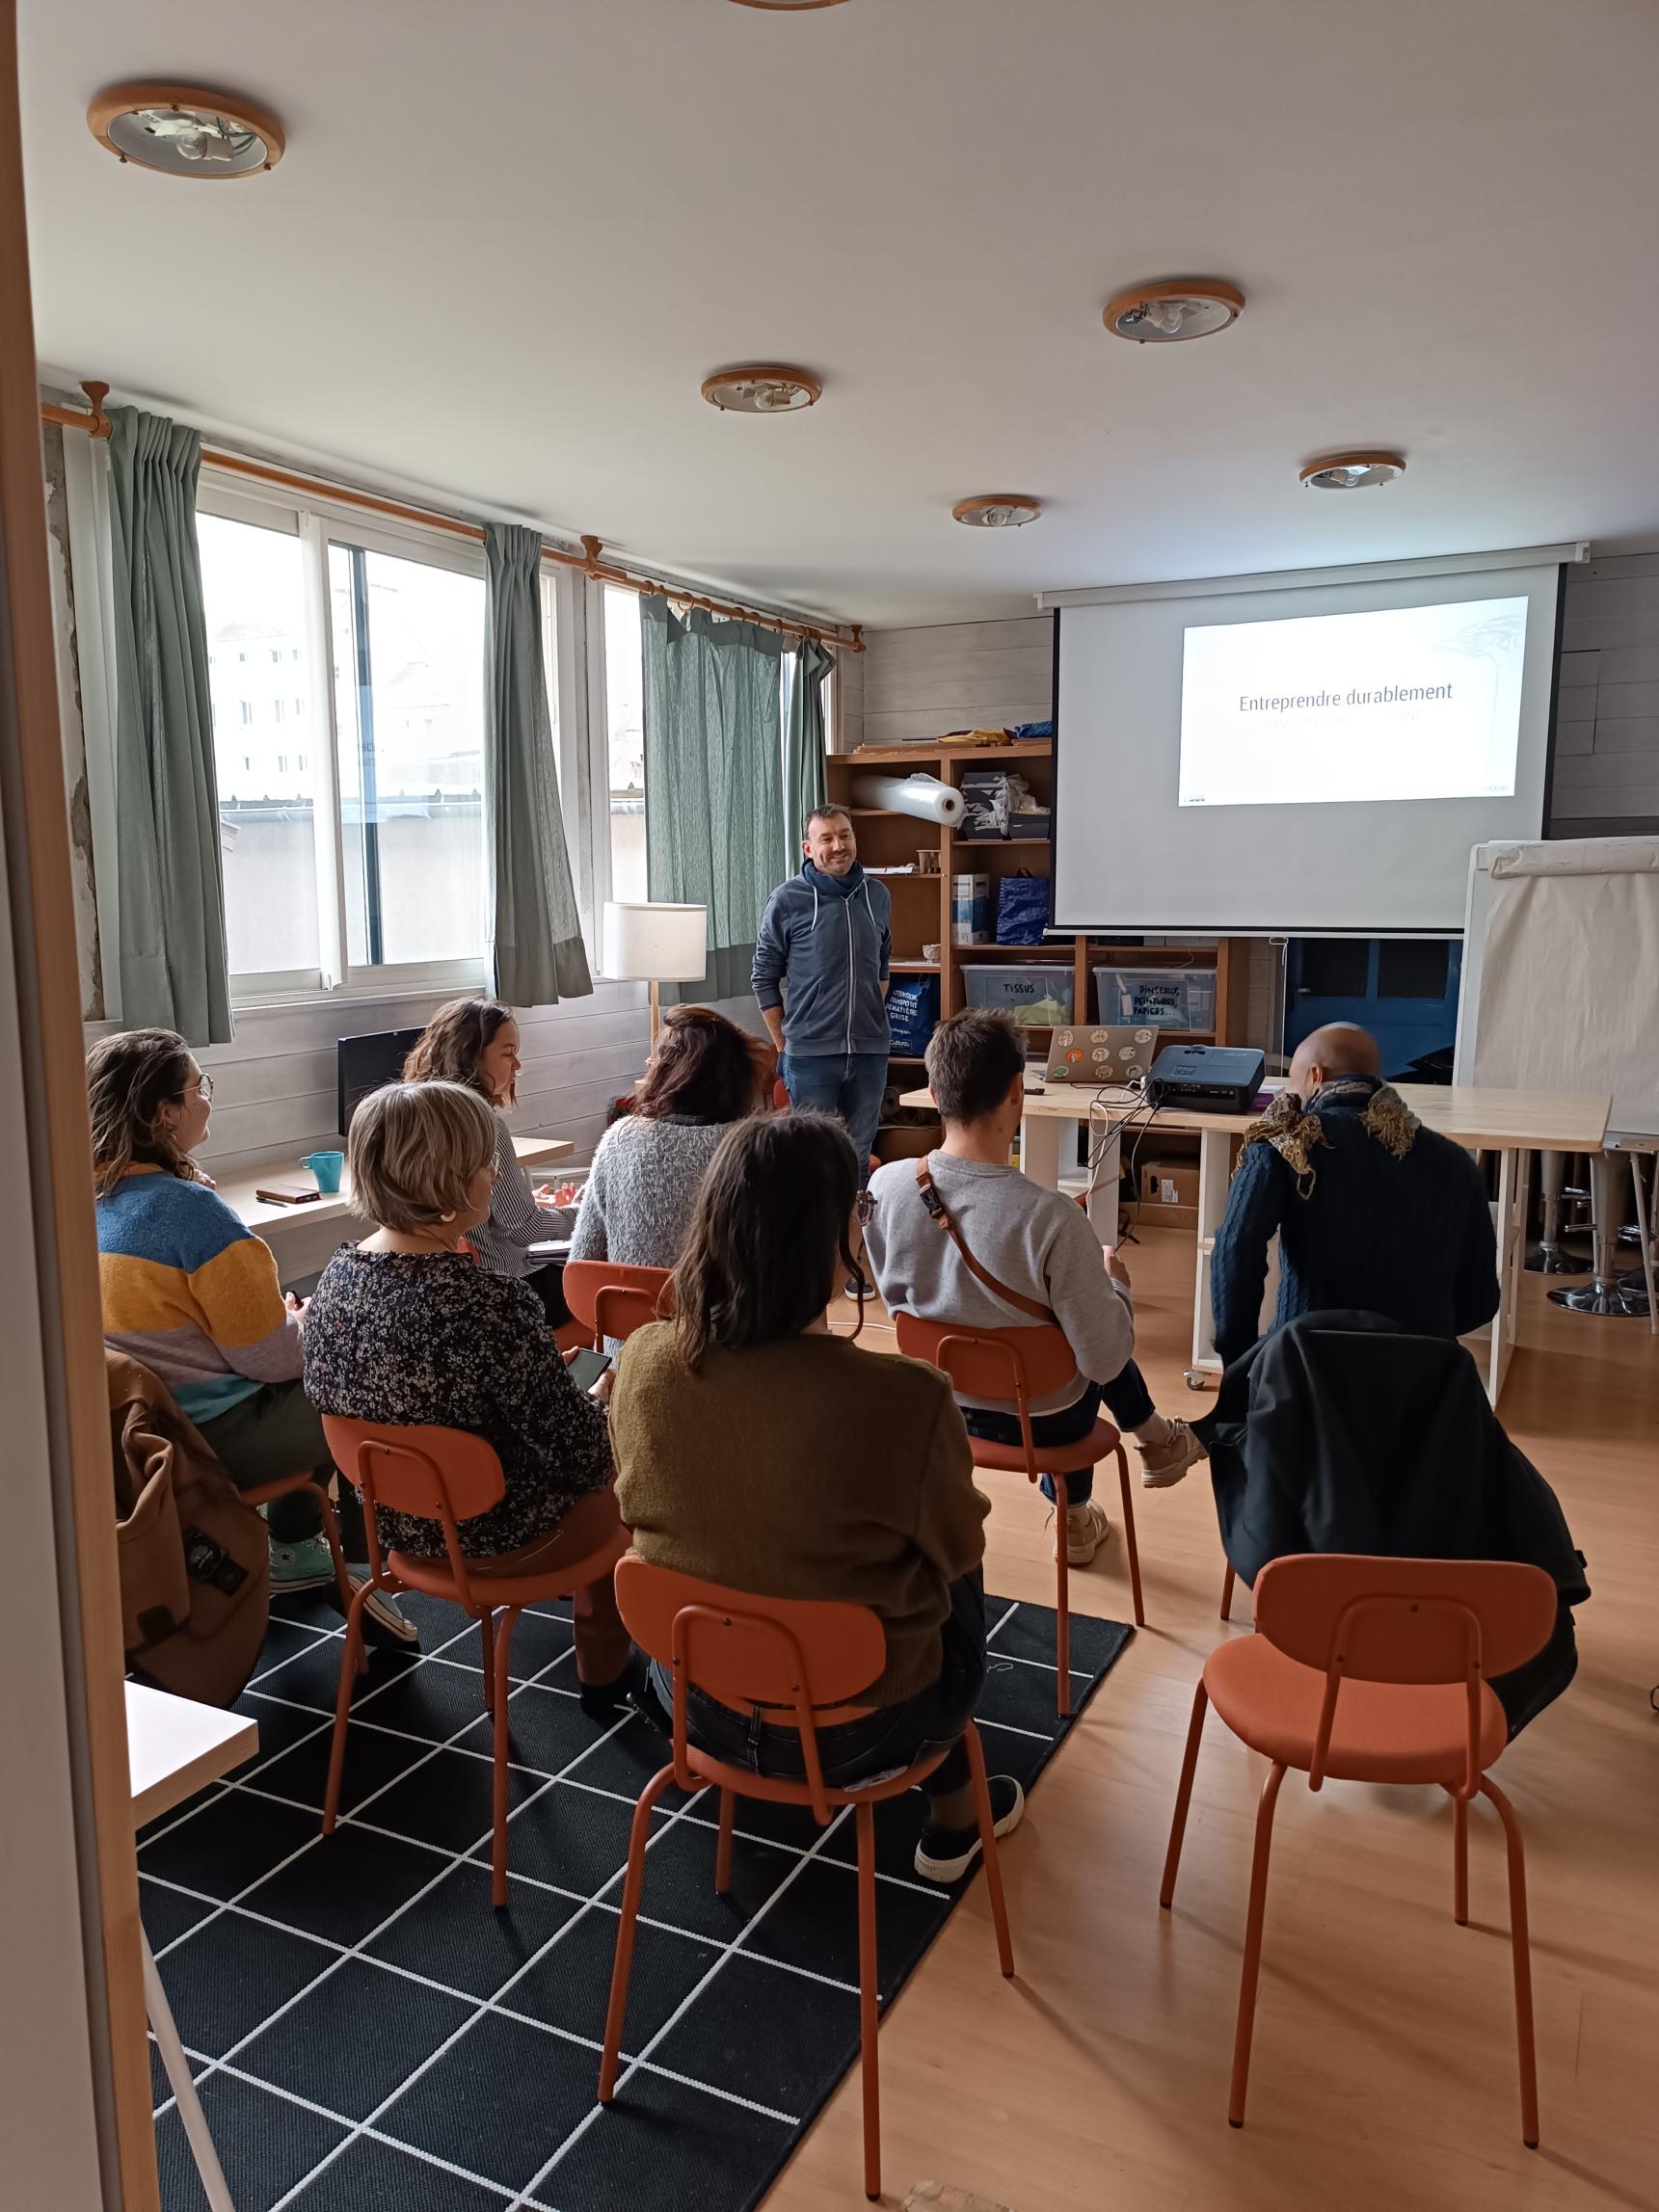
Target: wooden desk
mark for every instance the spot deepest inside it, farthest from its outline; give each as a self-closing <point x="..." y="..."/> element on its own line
<point x="285" y="1228"/>
<point x="175" y="1748"/>
<point x="1513" y="1123"/>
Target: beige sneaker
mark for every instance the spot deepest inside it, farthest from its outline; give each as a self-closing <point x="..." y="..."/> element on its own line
<point x="1087" y="1529"/>
<point x="1163" y="1464"/>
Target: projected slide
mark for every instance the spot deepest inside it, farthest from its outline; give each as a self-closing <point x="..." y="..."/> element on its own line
<point x="1400" y="703"/>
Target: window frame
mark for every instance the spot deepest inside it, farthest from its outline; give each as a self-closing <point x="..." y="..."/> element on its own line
<point x="317" y="522"/>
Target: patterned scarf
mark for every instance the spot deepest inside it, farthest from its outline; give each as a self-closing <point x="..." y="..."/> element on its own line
<point x="1293" y="1130"/>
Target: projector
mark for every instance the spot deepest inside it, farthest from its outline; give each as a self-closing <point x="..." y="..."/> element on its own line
<point x="1216" y="1079"/>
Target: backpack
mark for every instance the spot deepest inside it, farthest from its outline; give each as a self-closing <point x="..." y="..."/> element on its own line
<point x="194" y="1557"/>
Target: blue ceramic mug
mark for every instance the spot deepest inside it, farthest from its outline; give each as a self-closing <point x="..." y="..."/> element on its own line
<point x="325" y="1166"/>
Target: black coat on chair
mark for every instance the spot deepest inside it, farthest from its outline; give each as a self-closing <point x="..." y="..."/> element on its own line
<point x="1341" y="1432"/>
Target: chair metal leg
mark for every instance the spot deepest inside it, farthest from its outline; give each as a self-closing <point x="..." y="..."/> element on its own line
<point x="351" y="1654"/>
<point x="1227" y="1581"/>
<point x="503" y="1745"/>
<point x="487" y="1654"/>
<point x="633" y="1881"/>
<point x="1520" y="1946"/>
<point x="1062" y="1600"/>
<point x="722" y="1848"/>
<point x="988" y="1845"/>
<point x="1460" y="1860"/>
<point x="342" y="1580"/>
<point x="1252" y="1949"/>
<point x="177" y="2065"/>
<point x="1184" y="1794"/>
<point x="869" y="2060"/>
<point x="1128" y="1495"/>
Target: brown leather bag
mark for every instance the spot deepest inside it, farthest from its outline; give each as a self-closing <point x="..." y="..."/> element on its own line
<point x="195" y="1559"/>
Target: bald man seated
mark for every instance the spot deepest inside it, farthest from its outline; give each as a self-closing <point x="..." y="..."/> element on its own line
<point x="1372" y="1210"/>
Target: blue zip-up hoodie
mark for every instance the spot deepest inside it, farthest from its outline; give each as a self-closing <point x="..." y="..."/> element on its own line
<point x="827" y="942"/>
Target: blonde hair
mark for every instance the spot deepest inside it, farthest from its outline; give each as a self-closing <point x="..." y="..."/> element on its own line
<point x="130" y="1076"/>
<point x="413" y="1150"/>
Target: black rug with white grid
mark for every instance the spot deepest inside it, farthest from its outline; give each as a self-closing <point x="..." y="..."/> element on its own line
<point x="368" y="2032"/>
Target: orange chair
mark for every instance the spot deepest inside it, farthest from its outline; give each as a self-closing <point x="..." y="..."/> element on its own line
<point x="1016" y="1366"/>
<point x="611" y="1300"/>
<point x="803" y="1658"/>
<point x="1378" y="1671"/>
<point x="285" y="1485"/>
<point x="442" y="1474"/>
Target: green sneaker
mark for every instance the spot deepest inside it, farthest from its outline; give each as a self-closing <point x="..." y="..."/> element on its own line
<point x="307" y="1565"/>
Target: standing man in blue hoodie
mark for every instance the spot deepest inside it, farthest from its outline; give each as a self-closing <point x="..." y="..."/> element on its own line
<point x="823" y="955"/>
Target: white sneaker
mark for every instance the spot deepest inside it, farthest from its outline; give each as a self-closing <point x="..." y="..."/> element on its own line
<point x="1162" y="1465"/>
<point x="1087" y="1527"/>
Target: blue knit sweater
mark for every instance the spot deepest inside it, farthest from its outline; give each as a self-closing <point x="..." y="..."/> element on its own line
<point x="1410" y="1238"/>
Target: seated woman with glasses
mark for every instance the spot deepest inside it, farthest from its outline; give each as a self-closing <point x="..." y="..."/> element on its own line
<point x="756" y="1450"/>
<point x="704" y="1075"/>
<point x="193" y="1295"/>
<point x="407" y="1328"/>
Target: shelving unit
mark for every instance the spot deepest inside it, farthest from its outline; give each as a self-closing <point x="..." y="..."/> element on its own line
<point x="922" y="903"/>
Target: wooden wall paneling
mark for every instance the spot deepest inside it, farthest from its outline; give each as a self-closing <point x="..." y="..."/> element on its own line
<point x="40" y="889"/>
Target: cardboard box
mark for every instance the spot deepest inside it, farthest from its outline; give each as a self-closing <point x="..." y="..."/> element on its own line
<point x="1168" y="1183"/>
<point x="970" y="910"/>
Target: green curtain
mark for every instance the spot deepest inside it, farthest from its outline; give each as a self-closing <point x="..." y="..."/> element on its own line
<point x="713" y="779"/>
<point x="804" y="786"/>
<point x="169" y="864"/>
<point x="536" y="938"/>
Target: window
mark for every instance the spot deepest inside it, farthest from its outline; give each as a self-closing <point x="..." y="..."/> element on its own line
<point x="409" y="709"/>
<point x="624" y="734"/>
<point x="253" y="586"/>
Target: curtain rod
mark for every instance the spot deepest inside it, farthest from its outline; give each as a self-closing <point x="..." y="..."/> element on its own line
<point x="590" y="561"/>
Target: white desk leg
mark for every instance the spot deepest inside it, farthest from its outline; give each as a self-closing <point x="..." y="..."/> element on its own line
<point x="1105" y="1205"/>
<point x="1644" y="1229"/>
<point x="1215" y="1163"/>
<point x="178" y="2067"/>
<point x="1040" y="1137"/>
<point x="1515" y="1177"/>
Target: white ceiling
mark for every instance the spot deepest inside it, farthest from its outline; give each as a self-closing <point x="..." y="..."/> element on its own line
<point x="510" y="239"/>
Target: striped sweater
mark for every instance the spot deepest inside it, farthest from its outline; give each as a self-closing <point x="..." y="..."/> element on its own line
<point x="191" y="1293"/>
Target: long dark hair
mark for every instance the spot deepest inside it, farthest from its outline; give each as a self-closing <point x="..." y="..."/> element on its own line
<point x="704" y="1066"/>
<point x="771" y="1238"/>
<point x="454" y="1041"/>
<point x="130" y="1076"/>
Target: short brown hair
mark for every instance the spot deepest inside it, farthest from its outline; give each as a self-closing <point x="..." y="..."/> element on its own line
<point x="452" y="1043"/>
<point x="703" y="1067"/>
<point x="770" y="1239"/>
<point x="971" y="1061"/>
<point x="829" y="811"/>
<point x="413" y="1150"/>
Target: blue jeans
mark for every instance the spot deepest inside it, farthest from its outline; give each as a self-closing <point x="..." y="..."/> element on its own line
<point x="1126" y="1398"/>
<point x="848" y="1084"/>
<point x="893" y="1736"/>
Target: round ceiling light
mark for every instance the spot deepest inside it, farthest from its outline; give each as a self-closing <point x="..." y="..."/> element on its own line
<point x="762" y="390"/>
<point x="1352" y="471"/>
<point x="183" y="130"/>
<point x="796" y="4"/>
<point x="1180" y="308"/>
<point x="997" y="511"/>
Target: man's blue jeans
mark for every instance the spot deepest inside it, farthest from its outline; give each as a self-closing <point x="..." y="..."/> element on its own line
<point x="848" y="1084"/>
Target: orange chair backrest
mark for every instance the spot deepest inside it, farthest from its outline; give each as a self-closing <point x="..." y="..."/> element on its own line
<point x="1405" y="1621"/>
<point x="613" y="1300"/>
<point x="793" y="1654"/>
<point x="1013" y="1363"/>
<point x="780" y="1096"/>
<point x="442" y="1474"/>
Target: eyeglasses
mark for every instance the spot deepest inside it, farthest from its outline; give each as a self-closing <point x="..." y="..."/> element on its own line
<point x="864" y="1206"/>
<point x="204" y="1088"/>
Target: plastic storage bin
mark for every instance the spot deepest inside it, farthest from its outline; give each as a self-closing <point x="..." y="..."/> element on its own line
<point x="1036" y="997"/>
<point x="1158" y="998"/>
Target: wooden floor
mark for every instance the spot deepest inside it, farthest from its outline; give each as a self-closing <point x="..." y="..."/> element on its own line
<point x="1384" y="2073"/>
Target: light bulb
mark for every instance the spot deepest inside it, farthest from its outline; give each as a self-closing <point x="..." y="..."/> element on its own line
<point x="1167" y="316"/>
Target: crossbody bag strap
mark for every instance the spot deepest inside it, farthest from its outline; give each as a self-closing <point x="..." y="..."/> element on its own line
<point x="939" y="1213"/>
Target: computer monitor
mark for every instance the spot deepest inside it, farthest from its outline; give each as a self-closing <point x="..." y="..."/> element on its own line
<point x="363" y="1064"/>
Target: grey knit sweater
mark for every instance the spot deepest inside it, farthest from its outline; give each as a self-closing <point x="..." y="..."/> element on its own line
<point x="642" y="1190"/>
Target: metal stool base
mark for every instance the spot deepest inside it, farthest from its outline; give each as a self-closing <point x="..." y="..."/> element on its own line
<point x="1607" y="1299"/>
<point x="1553" y="1260"/>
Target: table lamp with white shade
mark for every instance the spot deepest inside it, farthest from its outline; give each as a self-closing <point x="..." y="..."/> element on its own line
<point x="656" y="942"/>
